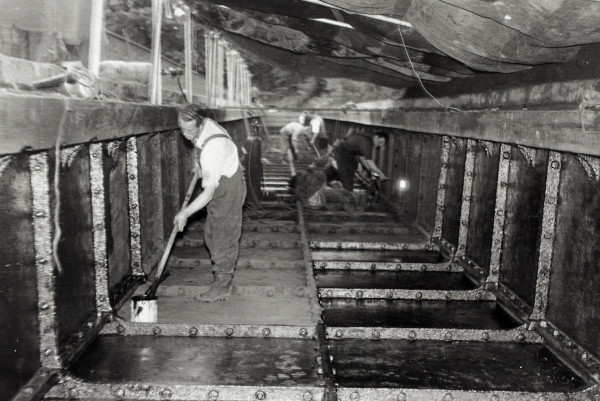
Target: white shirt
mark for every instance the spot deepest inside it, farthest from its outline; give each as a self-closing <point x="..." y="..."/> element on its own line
<point x="219" y="157"/>
<point x="317" y="126"/>
<point x="294" y="129"/>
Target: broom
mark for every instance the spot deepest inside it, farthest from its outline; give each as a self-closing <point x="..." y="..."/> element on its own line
<point x="160" y="274"/>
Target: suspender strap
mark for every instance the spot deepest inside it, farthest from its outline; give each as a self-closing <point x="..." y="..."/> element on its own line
<point x="213" y="137"/>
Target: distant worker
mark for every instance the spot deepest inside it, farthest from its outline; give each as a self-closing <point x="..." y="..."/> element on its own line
<point x="291" y="135"/>
<point x="223" y="196"/>
<point x="349" y="152"/>
<point x="319" y="137"/>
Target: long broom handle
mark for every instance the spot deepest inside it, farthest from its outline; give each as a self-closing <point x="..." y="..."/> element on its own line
<point x="165" y="256"/>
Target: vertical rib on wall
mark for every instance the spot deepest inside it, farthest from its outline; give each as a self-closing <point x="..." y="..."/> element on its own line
<point x="522" y="225"/>
<point x="574" y="296"/>
<point x="75" y="285"/>
<point x="483" y="200"/>
<point x="19" y="345"/>
<point x="454" y="189"/>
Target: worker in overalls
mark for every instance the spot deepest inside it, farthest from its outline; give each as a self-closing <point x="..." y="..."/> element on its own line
<point x="223" y="196"/>
<point x="355" y="149"/>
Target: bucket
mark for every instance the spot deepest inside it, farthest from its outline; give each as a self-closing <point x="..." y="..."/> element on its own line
<point x="144" y="309"/>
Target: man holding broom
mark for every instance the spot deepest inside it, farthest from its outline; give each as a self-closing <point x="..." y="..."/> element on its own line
<point x="223" y="196"/>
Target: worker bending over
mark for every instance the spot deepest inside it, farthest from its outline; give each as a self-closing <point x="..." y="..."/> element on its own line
<point x="223" y="196"/>
<point x="291" y="134"/>
<point x="349" y="152"/>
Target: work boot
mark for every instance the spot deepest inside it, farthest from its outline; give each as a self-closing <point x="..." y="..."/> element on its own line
<point x="219" y="290"/>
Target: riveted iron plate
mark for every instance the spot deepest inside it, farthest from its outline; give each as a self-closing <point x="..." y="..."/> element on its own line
<point x="472" y="295"/>
<point x="388" y="266"/>
<point x="441" y="194"/>
<point x="465" y="208"/>
<point x="98" y="222"/>
<point x="134" y="208"/>
<point x="80" y="390"/>
<point x="379" y="394"/>
<point x="547" y="237"/>
<point x="384" y="246"/>
<point x="207" y="330"/>
<point x="520" y="334"/>
<point x="499" y="215"/>
<point x="44" y="257"/>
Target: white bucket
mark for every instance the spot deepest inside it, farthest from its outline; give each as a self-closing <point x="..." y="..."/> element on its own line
<point x="144" y="309"/>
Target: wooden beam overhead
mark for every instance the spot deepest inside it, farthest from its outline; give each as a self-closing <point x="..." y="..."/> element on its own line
<point x="34" y="122"/>
<point x="559" y="130"/>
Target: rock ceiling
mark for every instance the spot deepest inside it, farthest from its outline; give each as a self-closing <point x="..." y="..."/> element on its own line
<point x="445" y="39"/>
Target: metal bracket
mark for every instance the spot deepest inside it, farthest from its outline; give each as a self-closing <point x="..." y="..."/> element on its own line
<point x="591" y="165"/>
<point x="44" y="260"/>
<point x="67" y="155"/>
<point x="488" y="147"/>
<point x="441" y="195"/>
<point x="547" y="238"/>
<point x="465" y="209"/>
<point x="500" y="215"/>
<point x="134" y="210"/>
<point x="458" y="142"/>
<point x="98" y="222"/>
<point x="4" y="162"/>
<point x="529" y="154"/>
<point x="113" y="148"/>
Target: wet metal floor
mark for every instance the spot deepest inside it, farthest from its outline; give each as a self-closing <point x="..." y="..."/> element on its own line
<point x="451" y="366"/>
<point x="275" y="333"/>
<point x="200" y="360"/>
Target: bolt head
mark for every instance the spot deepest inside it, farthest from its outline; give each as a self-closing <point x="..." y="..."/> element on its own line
<point x="193" y="332"/>
<point x="213" y="395"/>
<point x="355" y="396"/>
<point x="303" y="332"/>
<point x="359" y="294"/>
<point x="260" y="395"/>
<point x="166" y="394"/>
<point x="412" y="335"/>
<point x="339" y="333"/>
<point x="376" y="334"/>
<point x="485" y="336"/>
<point x="419" y="295"/>
<point x="266" y="332"/>
<point x="555" y="164"/>
<point x="307" y="396"/>
<point x="448" y="336"/>
<point x="229" y="332"/>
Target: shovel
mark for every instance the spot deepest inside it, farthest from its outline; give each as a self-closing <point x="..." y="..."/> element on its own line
<point x="144" y="308"/>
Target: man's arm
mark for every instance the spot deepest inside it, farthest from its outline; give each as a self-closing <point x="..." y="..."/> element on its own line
<point x="201" y="201"/>
<point x="372" y="167"/>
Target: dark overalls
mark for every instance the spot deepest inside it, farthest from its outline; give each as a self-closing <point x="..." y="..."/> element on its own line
<point x="224" y="221"/>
